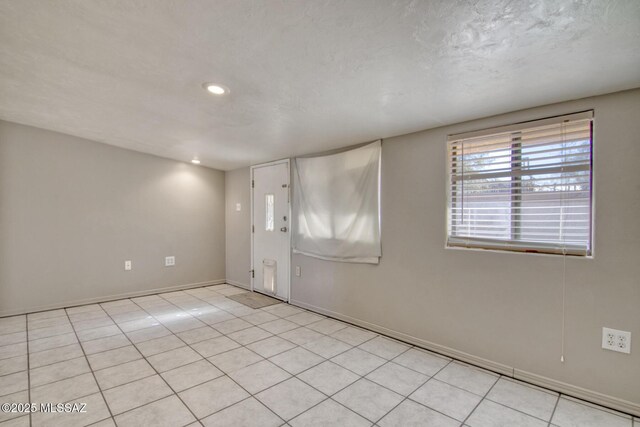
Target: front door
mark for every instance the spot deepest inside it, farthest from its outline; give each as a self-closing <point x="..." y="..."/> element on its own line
<point x="271" y="244"/>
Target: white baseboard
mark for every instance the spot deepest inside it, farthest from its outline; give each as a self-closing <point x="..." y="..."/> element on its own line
<point x="238" y="284"/>
<point x="107" y="298"/>
<point x="568" y="389"/>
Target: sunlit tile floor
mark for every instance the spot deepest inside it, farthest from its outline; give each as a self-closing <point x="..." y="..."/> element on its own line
<point x="196" y="357"/>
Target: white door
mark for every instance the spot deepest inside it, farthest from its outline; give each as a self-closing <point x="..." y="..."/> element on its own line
<point x="271" y="244"/>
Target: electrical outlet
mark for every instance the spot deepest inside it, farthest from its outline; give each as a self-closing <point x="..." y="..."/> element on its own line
<point x="127" y="266"/>
<point x="169" y="261"/>
<point x="238" y="207"/>
<point x="615" y="340"/>
<point x="298" y="272"/>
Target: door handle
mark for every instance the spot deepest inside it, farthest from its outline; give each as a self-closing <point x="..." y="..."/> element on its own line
<point x="283" y="229"/>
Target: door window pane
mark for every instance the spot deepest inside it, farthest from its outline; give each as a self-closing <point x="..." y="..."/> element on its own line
<point x="269" y="214"/>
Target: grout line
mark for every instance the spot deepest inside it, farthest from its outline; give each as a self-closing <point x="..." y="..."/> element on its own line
<point x="26" y="323"/>
<point x="481" y="400"/>
<point x="183" y="301"/>
<point x="157" y="373"/>
<point x="432" y="377"/>
<point x="92" y="373"/>
<point x="228" y="376"/>
<point x="555" y="407"/>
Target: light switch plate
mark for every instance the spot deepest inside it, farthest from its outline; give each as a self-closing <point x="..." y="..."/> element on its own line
<point x="169" y="261"/>
<point x="127" y="265"/>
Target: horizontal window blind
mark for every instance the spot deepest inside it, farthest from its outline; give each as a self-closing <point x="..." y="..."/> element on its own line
<point x="524" y="187"/>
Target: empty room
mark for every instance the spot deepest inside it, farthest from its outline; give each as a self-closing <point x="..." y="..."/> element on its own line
<point x="264" y="213"/>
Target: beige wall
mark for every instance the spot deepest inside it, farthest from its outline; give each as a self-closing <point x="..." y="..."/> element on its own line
<point x="238" y="223"/>
<point x="505" y="308"/>
<point x="72" y="211"/>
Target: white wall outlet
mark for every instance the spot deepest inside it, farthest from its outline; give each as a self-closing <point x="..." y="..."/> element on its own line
<point x="127" y="265"/>
<point x="169" y="261"/>
<point x="615" y="340"/>
<point x="298" y="271"/>
<point x="238" y="207"/>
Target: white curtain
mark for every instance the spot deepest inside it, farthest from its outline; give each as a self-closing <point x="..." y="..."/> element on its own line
<point x="336" y="205"/>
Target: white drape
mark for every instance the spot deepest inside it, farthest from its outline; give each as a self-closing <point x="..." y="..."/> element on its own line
<point x="336" y="205"/>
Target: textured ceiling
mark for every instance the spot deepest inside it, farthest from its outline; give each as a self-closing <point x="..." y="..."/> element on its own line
<point x="305" y="76"/>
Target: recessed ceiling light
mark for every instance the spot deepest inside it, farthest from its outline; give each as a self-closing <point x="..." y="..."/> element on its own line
<point x="216" y="89"/>
<point x="195" y="161"/>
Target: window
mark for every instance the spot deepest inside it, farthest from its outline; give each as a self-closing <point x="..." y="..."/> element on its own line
<point x="525" y="187"/>
<point x="269" y="205"/>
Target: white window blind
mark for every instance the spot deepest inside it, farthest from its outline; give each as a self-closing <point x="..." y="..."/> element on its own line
<point x="524" y="187"/>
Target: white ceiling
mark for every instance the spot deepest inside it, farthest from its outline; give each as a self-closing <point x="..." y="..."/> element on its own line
<point x="305" y="76"/>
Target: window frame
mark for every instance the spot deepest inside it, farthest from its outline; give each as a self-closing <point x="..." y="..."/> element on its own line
<point x="524" y="247"/>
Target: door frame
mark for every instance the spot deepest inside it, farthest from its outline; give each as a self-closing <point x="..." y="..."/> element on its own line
<point x="251" y="191"/>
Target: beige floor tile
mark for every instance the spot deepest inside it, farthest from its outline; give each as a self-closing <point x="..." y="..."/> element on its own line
<point x="135" y="394"/>
<point x="104" y="344"/>
<point x="59" y="371"/>
<point x="13" y="338"/>
<point x="570" y="413"/>
<point x="248" y="413"/>
<point x="214" y="346"/>
<point x="327" y="326"/>
<point x="159" y="345"/>
<point x="122" y="374"/>
<point x="402" y="380"/>
<point x="191" y="375"/>
<point x="173" y="358"/>
<point x="279" y="326"/>
<point x="100" y="332"/>
<point x="368" y="399"/>
<point x="235" y="359"/>
<point x="327" y="347"/>
<point x="259" y="376"/>
<point x="358" y="361"/>
<point x="213" y="396"/>
<point x="301" y="335"/>
<point x="14" y="383"/>
<point x="467" y="377"/>
<point x="259" y="317"/>
<point x="290" y="398"/>
<point x="167" y="412"/>
<point x="230" y="326"/>
<point x="525" y="398"/>
<point x="249" y="335"/>
<point x="422" y="361"/>
<point x="193" y="336"/>
<point x="94" y="411"/>
<point x="12" y="350"/>
<point x="148" y="334"/>
<point x="329" y="413"/>
<point x="65" y="390"/>
<point x="13" y="364"/>
<point x="305" y="318"/>
<point x="447" y="399"/>
<point x="490" y="414"/>
<point x="55" y="355"/>
<point x="271" y="346"/>
<point x="328" y="377"/>
<point x="384" y="347"/>
<point x="296" y="360"/>
<point x="19" y="397"/>
<point x="354" y="336"/>
<point x="52" y="342"/>
<point x="412" y="414"/>
<point x="113" y="357"/>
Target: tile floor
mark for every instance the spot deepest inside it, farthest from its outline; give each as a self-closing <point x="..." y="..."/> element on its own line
<point x="195" y="357"/>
